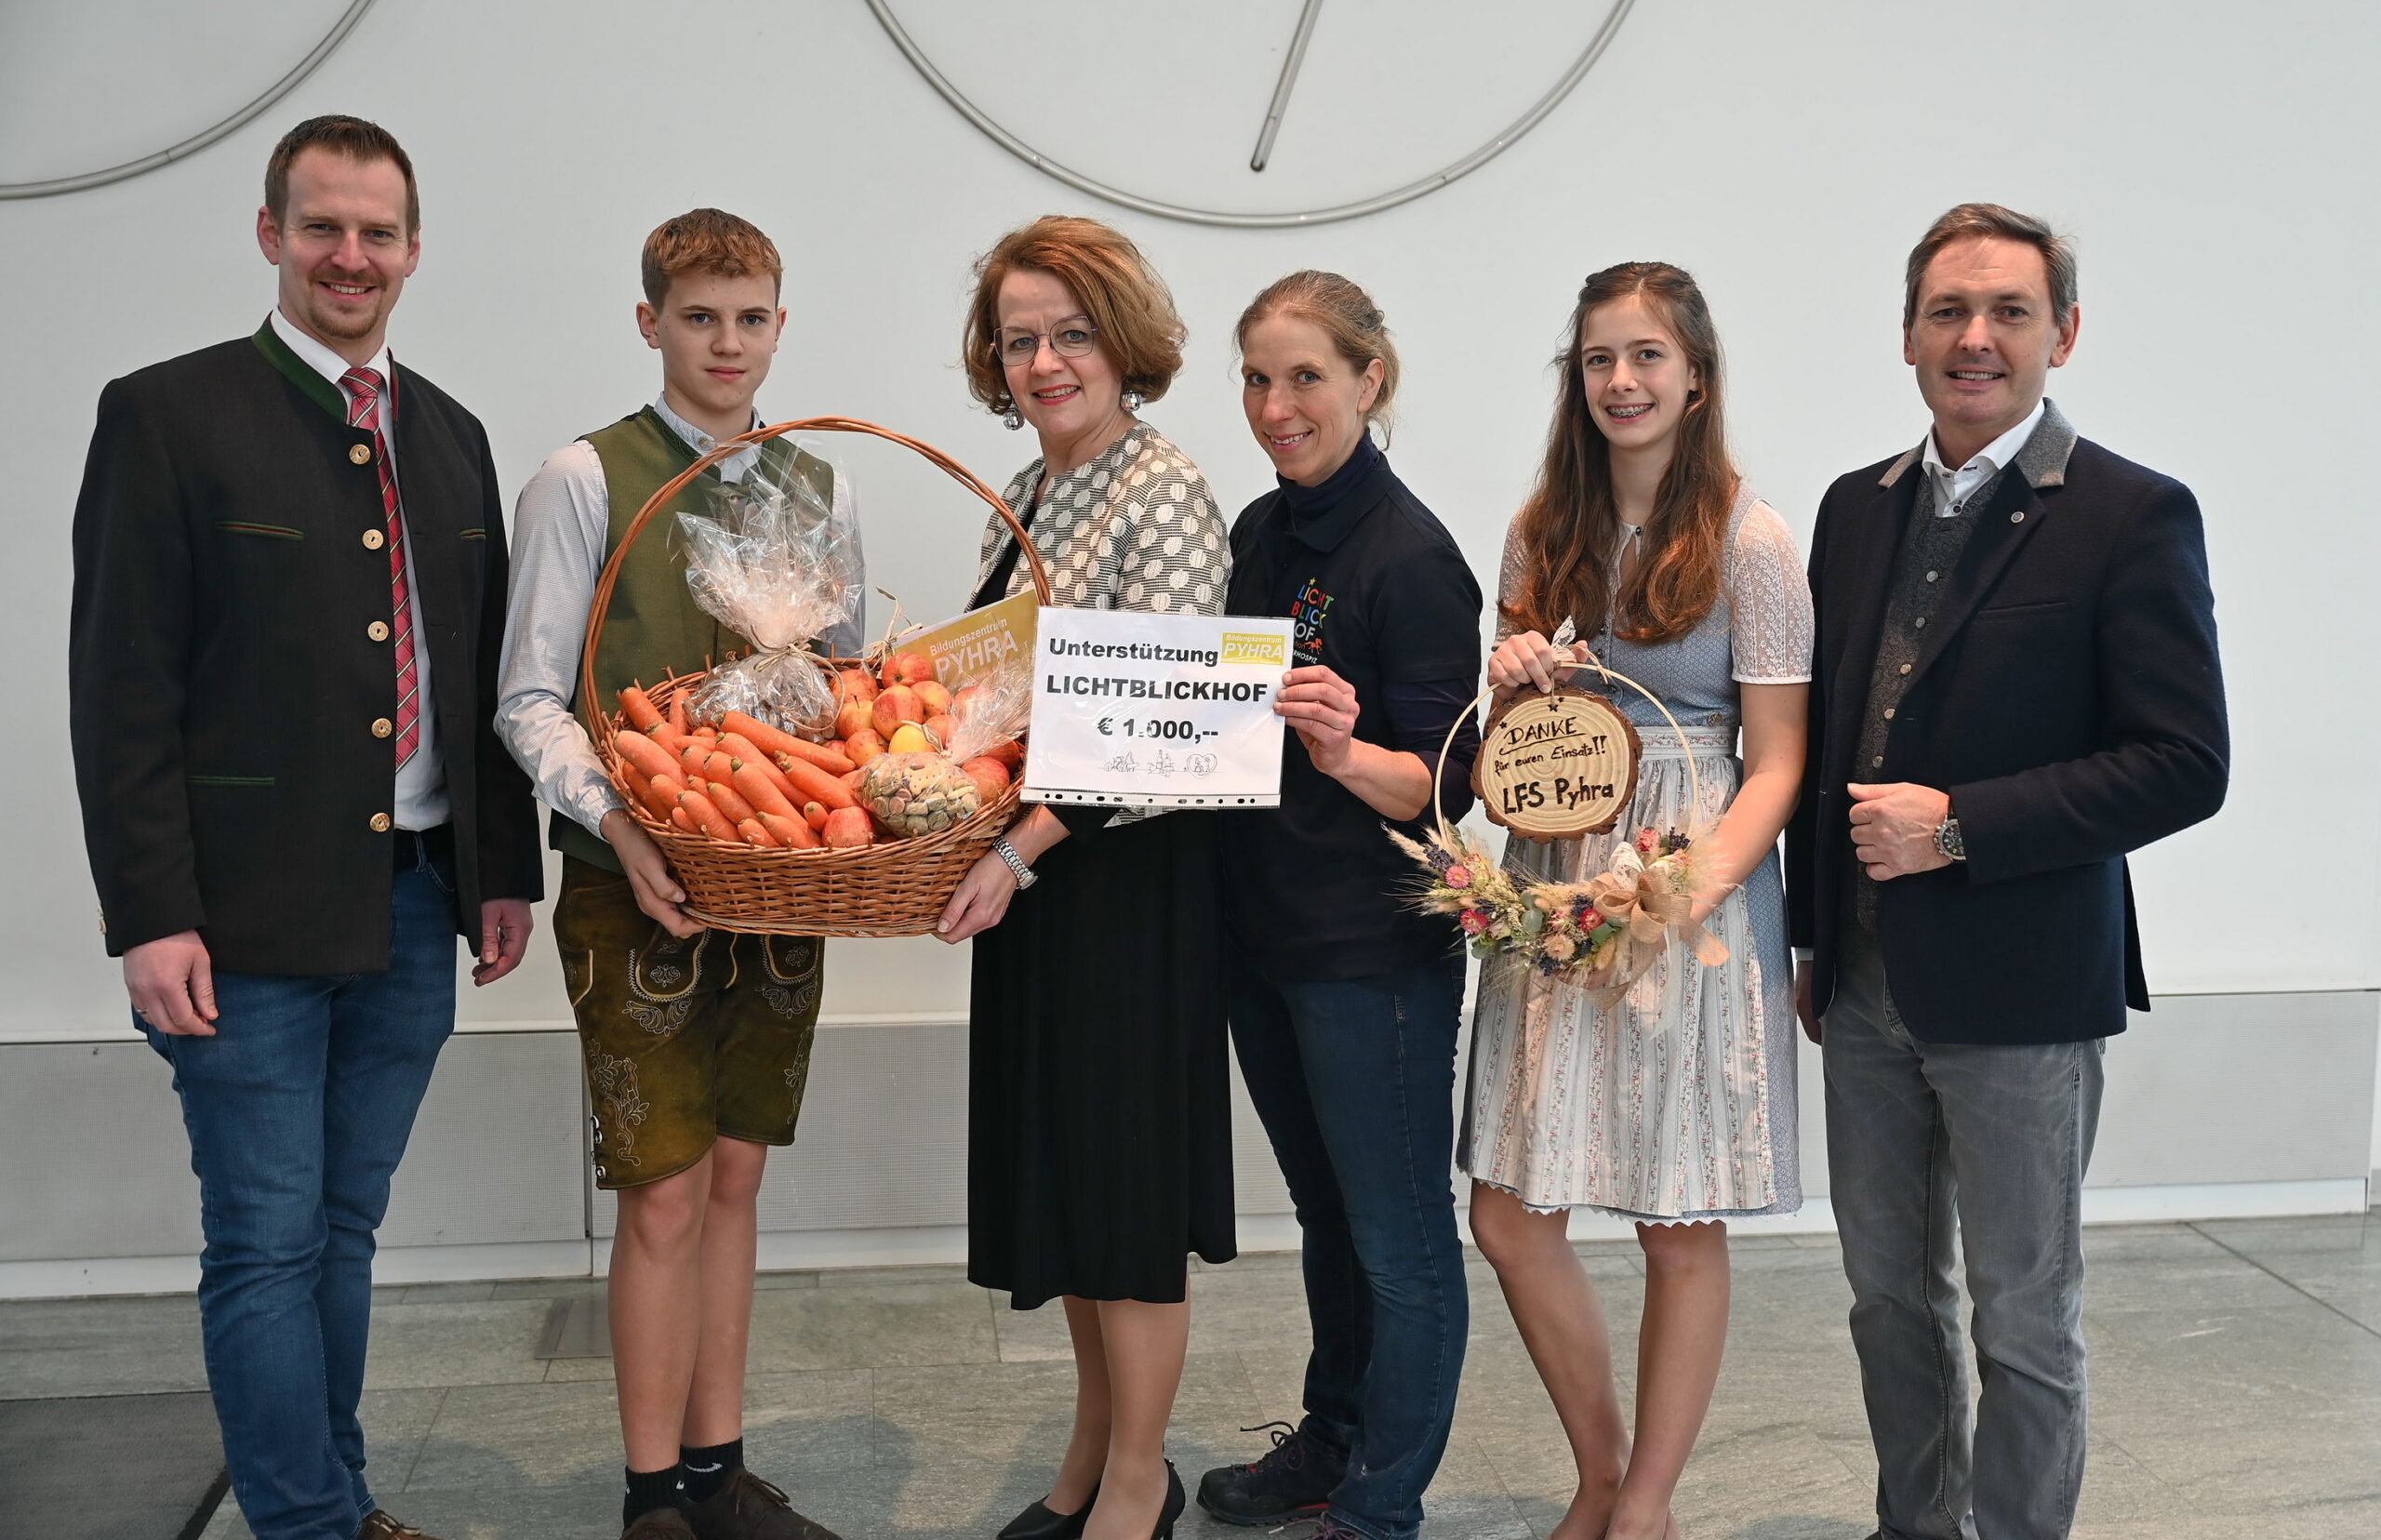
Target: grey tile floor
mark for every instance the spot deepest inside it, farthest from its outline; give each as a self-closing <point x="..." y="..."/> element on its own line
<point x="2236" y="1392"/>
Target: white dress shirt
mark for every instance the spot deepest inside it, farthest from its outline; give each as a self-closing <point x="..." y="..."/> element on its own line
<point x="1953" y="488"/>
<point x="420" y="801"/>
<point x="561" y="535"/>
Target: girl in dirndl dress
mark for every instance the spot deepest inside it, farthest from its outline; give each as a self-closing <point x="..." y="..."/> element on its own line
<point x="1675" y="1108"/>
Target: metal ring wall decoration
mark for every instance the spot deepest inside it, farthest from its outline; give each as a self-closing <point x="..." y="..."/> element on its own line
<point x="201" y="139"/>
<point x="1407" y="193"/>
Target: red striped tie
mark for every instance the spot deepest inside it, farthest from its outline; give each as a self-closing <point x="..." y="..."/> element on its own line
<point x="364" y="411"/>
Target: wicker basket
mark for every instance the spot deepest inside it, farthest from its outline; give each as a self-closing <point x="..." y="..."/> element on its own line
<point x="896" y="887"/>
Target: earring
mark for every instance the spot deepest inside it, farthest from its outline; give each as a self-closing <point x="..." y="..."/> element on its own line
<point x="1132" y="400"/>
<point x="1015" y="420"/>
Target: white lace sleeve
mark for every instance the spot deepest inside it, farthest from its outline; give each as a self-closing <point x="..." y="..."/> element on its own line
<point x="1771" y="599"/>
<point x="1509" y="577"/>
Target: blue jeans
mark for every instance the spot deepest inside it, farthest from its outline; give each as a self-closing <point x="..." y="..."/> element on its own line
<point x="298" y="1109"/>
<point x="1355" y="1083"/>
<point x="1943" y="1148"/>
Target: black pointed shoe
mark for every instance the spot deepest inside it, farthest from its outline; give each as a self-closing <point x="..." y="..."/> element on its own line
<point x="1293" y="1481"/>
<point x="1037" y="1522"/>
<point x="1175" y="1503"/>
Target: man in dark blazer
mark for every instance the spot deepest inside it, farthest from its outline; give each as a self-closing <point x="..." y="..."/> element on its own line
<point x="2015" y="685"/>
<point x="290" y="584"/>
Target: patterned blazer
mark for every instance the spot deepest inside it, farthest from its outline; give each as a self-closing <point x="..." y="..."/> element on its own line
<point x="1136" y="528"/>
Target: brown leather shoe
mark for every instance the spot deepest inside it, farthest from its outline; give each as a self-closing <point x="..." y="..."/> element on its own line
<point x="667" y="1523"/>
<point x="746" y="1507"/>
<point x="379" y="1524"/>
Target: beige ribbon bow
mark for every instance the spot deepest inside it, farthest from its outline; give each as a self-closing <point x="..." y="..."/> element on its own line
<point x="1639" y="900"/>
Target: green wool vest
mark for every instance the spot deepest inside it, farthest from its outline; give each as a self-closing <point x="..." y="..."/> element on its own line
<point x="653" y="628"/>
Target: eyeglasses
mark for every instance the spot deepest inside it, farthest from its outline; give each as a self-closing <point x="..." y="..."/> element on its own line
<point x="1014" y="347"/>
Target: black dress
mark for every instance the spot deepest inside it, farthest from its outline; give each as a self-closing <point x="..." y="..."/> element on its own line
<point x="1099" y="1102"/>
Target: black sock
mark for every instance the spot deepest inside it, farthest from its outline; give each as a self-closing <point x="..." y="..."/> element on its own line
<point x="707" y="1469"/>
<point x="649" y="1489"/>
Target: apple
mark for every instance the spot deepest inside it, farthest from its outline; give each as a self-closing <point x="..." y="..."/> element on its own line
<point x="908" y="668"/>
<point x="933" y="696"/>
<point x="855" y="716"/>
<point x="896" y="705"/>
<point x="849" y="828"/>
<point x="854" y="685"/>
<point x="989" y="775"/>
<point x="863" y="746"/>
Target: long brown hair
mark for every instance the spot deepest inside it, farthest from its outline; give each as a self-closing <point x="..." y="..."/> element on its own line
<point x="1569" y="528"/>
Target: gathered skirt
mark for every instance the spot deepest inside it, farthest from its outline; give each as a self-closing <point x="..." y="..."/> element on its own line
<point x="1677" y="1103"/>
<point x="1100" y="1101"/>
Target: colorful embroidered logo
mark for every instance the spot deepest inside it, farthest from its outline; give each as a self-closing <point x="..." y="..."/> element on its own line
<point x="1306" y="614"/>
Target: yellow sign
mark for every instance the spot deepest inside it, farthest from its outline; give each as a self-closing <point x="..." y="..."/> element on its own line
<point x="972" y="646"/>
<point x="1255" y="647"/>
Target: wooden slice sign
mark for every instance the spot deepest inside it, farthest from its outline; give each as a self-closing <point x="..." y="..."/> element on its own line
<point x="1557" y="765"/>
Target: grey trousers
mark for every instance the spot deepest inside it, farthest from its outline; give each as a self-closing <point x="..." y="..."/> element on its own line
<point x="1919" y="1135"/>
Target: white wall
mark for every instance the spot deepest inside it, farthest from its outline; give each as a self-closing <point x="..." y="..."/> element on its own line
<point x="2214" y="161"/>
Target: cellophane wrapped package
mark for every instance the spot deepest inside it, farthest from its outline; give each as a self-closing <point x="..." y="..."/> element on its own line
<point x="774" y="561"/>
<point x="991" y="711"/>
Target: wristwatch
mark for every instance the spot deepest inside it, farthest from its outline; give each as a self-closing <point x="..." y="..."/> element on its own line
<point x="1948" y="843"/>
<point x="1007" y="852"/>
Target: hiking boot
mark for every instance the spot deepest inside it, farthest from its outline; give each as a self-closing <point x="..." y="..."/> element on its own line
<point x="1294" y="1481"/>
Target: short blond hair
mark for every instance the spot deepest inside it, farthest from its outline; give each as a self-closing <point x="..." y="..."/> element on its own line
<point x="710" y="240"/>
<point x="1138" y="327"/>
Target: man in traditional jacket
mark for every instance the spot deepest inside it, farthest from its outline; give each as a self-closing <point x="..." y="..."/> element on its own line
<point x="289" y="576"/>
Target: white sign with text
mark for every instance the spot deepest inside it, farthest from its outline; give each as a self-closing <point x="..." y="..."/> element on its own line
<point x="1156" y="710"/>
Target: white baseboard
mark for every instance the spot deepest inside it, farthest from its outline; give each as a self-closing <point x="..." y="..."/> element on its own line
<point x="802" y="1250"/>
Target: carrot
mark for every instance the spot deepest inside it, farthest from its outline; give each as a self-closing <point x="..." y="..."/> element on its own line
<point x="815" y="815"/>
<point x="719" y="766"/>
<point x="638" y="709"/>
<point x="755" y="835"/>
<point x="817" y="785"/>
<point x="661" y="796"/>
<point x="691" y="757"/>
<point x="705" y="814"/>
<point x="772" y="743"/>
<point x="678" y="815"/>
<point x="730" y="802"/>
<point x="678" y="718"/>
<point x="792" y="833"/>
<point x="671" y="740"/>
<point x="741" y="752"/>
<point x="707" y="733"/>
<point x="761" y="792"/>
<point x="643" y="752"/>
<point x="738" y="746"/>
<point x="829" y="757"/>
